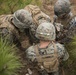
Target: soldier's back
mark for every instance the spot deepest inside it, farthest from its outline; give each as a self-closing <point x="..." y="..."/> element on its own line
<point x="8" y="29"/>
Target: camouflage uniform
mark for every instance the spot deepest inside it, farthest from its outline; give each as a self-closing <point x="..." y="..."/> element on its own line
<point x="63" y="20"/>
<point x="38" y="18"/>
<point x="46" y="31"/>
<point x="71" y="33"/>
<point x="15" y="27"/>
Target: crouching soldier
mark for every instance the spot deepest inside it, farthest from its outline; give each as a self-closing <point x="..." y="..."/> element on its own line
<point x="15" y="27"/>
<point x="64" y="21"/>
<point x="47" y="54"/>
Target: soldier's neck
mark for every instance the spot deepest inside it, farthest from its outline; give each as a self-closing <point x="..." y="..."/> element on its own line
<point x="44" y="44"/>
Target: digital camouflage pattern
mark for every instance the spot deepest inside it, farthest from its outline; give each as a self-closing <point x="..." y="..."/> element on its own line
<point x="22" y="19"/>
<point x="64" y="22"/>
<point x="61" y="7"/>
<point x="49" y="56"/>
<point x="61" y="26"/>
<point x="66" y="28"/>
<point x="8" y="29"/>
<point x="46" y="31"/>
<point x="71" y="33"/>
<point x="62" y="53"/>
<point x="49" y="50"/>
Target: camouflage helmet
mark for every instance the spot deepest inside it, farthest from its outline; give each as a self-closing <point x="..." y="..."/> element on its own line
<point x="62" y="7"/>
<point x="22" y="19"/>
<point x="46" y="31"/>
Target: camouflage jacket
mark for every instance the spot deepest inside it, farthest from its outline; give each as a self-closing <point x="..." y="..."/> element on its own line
<point x="62" y="53"/>
<point x="8" y="29"/>
<point x="65" y="27"/>
<point x="63" y="21"/>
<point x="71" y="33"/>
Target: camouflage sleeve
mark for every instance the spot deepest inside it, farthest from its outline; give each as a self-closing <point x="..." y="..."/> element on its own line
<point x="4" y="32"/>
<point x="33" y="28"/>
<point x="30" y="54"/>
<point x="32" y="31"/>
<point x="57" y="24"/>
<point x="59" y="29"/>
<point x="71" y="33"/>
<point x="73" y="22"/>
<point x="72" y="27"/>
<point x="62" y="52"/>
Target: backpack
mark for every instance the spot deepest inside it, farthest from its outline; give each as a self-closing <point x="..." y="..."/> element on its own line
<point x="50" y="62"/>
<point x="5" y="22"/>
<point x="36" y="13"/>
<point x="38" y="17"/>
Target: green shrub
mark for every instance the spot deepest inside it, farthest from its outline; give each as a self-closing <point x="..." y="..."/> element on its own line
<point x="71" y="47"/>
<point x="70" y="64"/>
<point x="10" y="6"/>
<point x="9" y="61"/>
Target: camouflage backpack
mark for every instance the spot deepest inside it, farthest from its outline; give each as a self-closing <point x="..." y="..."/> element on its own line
<point x="37" y="14"/>
<point x="38" y="17"/>
<point x="7" y="28"/>
<point x="50" y="62"/>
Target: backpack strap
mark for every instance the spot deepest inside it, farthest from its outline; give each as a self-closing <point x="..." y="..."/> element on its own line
<point x="41" y="58"/>
<point x="55" y="49"/>
<point x="36" y="50"/>
<point x="35" y="11"/>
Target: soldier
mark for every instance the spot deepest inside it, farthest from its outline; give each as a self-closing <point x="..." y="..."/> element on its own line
<point x="16" y="27"/>
<point x="38" y="18"/>
<point x="47" y="54"/>
<point x="64" y="20"/>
